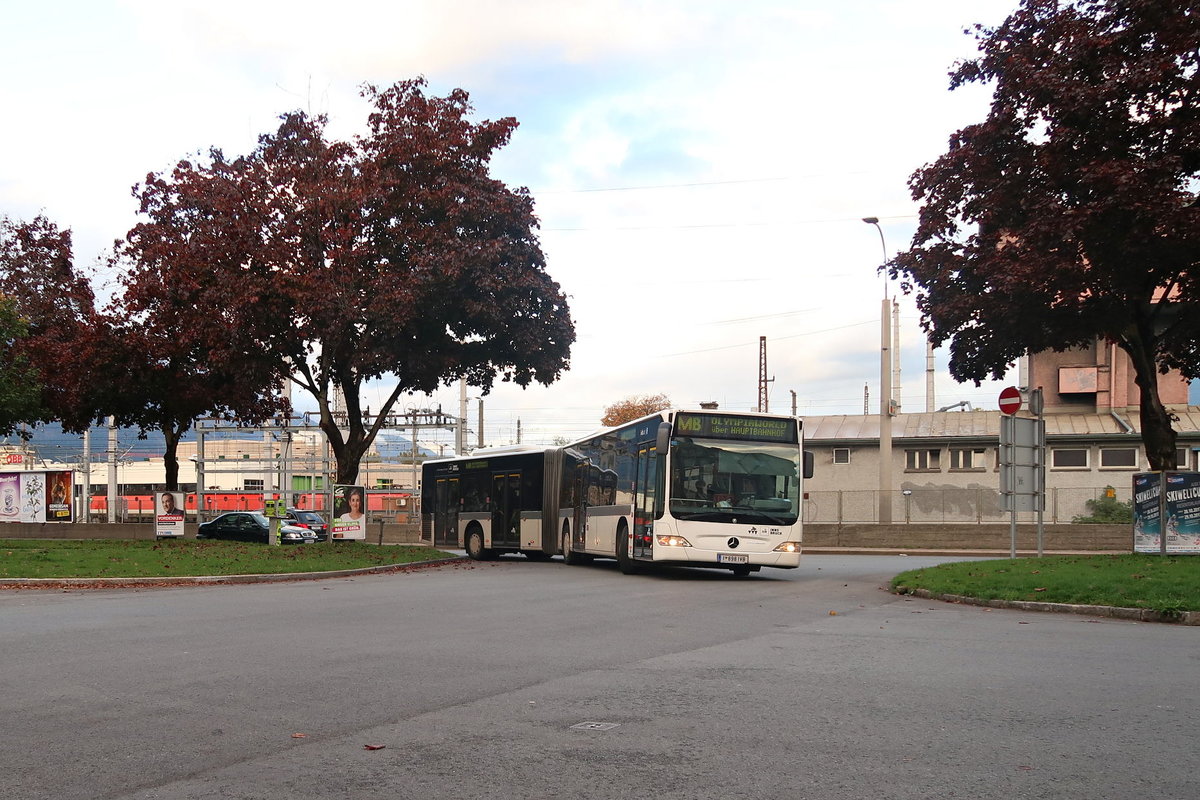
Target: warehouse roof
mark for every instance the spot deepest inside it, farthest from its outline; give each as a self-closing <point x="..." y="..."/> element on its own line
<point x="982" y="425"/>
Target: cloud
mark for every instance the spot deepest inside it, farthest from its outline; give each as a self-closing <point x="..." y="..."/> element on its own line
<point x="735" y="148"/>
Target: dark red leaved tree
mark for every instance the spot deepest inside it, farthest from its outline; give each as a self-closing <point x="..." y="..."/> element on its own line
<point x="393" y="256"/>
<point x="20" y="383"/>
<point x="55" y="306"/>
<point x="162" y="378"/>
<point x="1067" y="215"/>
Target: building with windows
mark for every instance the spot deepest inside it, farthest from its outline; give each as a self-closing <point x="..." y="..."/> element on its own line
<point x="945" y="465"/>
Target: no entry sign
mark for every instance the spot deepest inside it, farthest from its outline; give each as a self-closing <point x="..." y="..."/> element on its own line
<point x="1010" y="400"/>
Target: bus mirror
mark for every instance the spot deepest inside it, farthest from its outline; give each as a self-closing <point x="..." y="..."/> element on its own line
<point x="808" y="464"/>
<point x="663" y="441"/>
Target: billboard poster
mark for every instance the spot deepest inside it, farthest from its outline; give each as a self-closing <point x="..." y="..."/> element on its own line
<point x="1147" y="524"/>
<point x="1183" y="511"/>
<point x="1174" y="496"/>
<point x="33" y="497"/>
<point x="59" y="490"/>
<point x="168" y="515"/>
<point x="349" y="512"/>
<point x="10" y="496"/>
<point x="37" y="496"/>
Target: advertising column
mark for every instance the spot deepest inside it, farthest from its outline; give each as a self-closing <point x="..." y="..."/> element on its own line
<point x="276" y="511"/>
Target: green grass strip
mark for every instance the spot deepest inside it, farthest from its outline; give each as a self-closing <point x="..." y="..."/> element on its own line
<point x="1168" y="584"/>
<point x="105" y="558"/>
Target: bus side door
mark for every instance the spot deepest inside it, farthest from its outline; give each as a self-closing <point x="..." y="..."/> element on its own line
<point x="579" y="514"/>
<point x="506" y="509"/>
<point x="645" y="492"/>
<point x="445" y="513"/>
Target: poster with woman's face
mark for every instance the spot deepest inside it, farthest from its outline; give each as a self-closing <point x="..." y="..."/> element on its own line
<point x="349" y="512"/>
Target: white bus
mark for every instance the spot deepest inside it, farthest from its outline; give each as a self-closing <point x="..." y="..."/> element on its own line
<point x="682" y="488"/>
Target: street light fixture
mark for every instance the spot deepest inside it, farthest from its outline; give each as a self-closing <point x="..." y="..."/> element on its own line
<point x="875" y="221"/>
<point x="885" y="395"/>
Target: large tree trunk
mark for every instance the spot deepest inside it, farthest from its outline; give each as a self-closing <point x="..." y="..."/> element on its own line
<point x="1158" y="437"/>
<point x="171" y="456"/>
<point x="348" y="461"/>
<point x="348" y="449"/>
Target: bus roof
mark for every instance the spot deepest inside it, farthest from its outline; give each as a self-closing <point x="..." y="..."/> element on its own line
<point x="669" y="413"/>
<point x="501" y="450"/>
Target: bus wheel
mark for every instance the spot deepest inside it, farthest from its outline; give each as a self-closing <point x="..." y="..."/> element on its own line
<point x="624" y="562"/>
<point x="475" y="548"/>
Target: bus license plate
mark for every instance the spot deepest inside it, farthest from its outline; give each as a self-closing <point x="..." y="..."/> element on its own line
<point x="732" y="558"/>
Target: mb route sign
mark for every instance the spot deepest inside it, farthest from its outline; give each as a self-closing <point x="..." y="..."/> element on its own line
<point x="1010" y="400"/>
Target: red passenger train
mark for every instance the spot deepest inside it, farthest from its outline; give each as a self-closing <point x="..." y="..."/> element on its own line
<point x="220" y="502"/>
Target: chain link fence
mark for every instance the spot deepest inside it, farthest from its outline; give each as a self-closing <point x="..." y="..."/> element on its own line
<point x="975" y="504"/>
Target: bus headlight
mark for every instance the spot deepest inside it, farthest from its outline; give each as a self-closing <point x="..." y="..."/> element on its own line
<point x="673" y="541"/>
<point x="788" y="547"/>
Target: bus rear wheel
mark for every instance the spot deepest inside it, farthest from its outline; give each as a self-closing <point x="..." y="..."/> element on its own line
<point x="568" y="553"/>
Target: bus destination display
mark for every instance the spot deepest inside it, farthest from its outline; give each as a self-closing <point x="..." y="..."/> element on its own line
<point x="719" y="426"/>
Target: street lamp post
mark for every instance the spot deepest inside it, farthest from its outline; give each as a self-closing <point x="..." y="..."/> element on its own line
<point x="885" y="394"/>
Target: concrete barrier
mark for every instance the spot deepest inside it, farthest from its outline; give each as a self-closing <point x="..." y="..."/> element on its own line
<point x="968" y="537"/>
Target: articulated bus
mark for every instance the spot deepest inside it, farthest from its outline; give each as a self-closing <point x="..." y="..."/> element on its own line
<point x="678" y="488"/>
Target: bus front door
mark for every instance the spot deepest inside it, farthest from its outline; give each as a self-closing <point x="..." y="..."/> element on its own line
<point x="643" y="505"/>
<point x="445" y="514"/>
<point x="506" y="509"/>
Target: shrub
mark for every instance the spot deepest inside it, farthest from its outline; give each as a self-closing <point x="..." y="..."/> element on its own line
<point x="1107" y="509"/>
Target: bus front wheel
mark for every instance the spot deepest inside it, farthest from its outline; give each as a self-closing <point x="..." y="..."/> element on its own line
<point x="626" y="564"/>
<point x="475" y="548"/>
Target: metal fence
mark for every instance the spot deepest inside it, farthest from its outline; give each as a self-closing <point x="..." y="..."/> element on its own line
<point x="975" y="504"/>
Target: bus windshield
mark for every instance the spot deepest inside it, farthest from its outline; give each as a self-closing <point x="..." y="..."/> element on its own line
<point x="717" y="480"/>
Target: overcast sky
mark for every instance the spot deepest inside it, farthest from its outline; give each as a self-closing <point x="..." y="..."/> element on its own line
<point x="700" y="169"/>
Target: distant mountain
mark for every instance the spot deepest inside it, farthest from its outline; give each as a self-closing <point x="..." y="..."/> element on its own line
<point x="393" y="446"/>
<point x="51" y="442"/>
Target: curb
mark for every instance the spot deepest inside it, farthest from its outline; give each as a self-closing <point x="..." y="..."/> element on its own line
<point x="819" y="550"/>
<point x="1113" y="612"/>
<point x="205" y="580"/>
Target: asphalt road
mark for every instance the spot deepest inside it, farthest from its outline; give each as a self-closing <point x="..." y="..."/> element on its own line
<point x="526" y="680"/>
